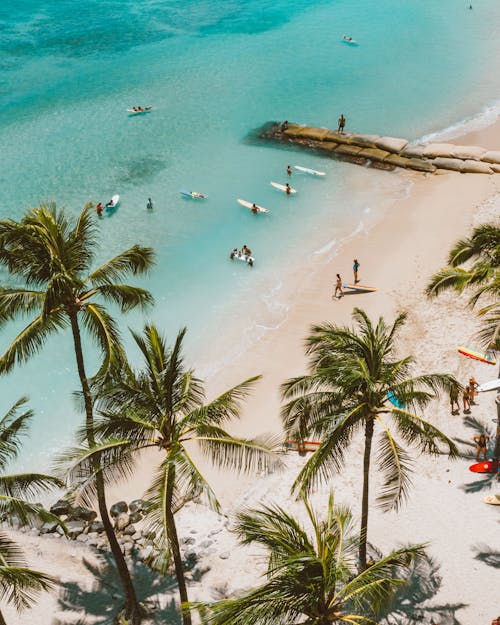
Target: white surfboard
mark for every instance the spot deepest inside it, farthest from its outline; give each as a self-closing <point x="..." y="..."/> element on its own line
<point x="282" y="187"/>
<point x="113" y="202"/>
<point x="260" y="209"/>
<point x="489" y="386"/>
<point x="306" y="170"/>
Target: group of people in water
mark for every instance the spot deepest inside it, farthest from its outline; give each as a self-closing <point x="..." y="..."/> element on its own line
<point x="100" y="208"/>
<point x="245" y="254"/>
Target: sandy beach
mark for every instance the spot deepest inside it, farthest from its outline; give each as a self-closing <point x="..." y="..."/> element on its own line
<point x="397" y="255"/>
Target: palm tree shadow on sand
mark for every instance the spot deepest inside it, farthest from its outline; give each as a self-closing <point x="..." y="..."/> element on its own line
<point x="101" y="603"/>
<point x="412" y="604"/>
<point x="487" y="555"/>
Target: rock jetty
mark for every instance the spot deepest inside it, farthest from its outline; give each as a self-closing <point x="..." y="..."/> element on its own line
<point x="383" y="152"/>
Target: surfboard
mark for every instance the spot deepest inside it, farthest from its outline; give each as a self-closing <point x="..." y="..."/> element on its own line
<point x="302" y="446"/>
<point x="487" y="357"/>
<point x="306" y="170"/>
<point x="115" y="200"/>
<point x="250" y="260"/>
<point x="360" y="287"/>
<point x="144" y="109"/>
<point x="260" y="209"/>
<point x="193" y="194"/>
<point x="282" y="187"/>
<point x="492" y="385"/>
<point x="487" y="466"/>
<point x="394" y="400"/>
<point x="493" y="500"/>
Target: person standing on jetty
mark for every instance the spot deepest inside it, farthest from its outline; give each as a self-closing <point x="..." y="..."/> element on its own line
<point x="355" y="268"/>
<point x="341" y="122"/>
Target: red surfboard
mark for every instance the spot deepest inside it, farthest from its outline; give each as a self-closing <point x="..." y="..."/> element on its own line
<point x="487" y="466"/>
<point x="302" y="446"/>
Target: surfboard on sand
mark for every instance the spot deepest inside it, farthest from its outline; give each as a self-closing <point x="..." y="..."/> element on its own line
<point x="302" y="445"/>
<point x="487" y="357"/>
<point x="307" y="170"/>
<point x="493" y="500"/>
<point x="260" y="209"/>
<point x="487" y="466"/>
<point x="282" y="187"/>
<point x="359" y="287"/>
<point x="492" y="385"/>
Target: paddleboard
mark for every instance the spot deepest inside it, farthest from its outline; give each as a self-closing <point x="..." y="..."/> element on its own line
<point x="193" y="194"/>
<point x="115" y="200"/>
<point x="487" y="466"/>
<point x="304" y="446"/>
<point x="144" y="109"/>
<point x="349" y="40"/>
<point x="493" y="500"/>
<point x="306" y="170"/>
<point x="260" y="209"/>
<point x="492" y="385"/>
<point x="282" y="187"/>
<point x="487" y="357"/>
<point x="360" y="288"/>
<point x="394" y="400"/>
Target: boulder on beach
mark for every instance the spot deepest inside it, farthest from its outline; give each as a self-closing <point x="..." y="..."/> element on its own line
<point x="476" y="167"/>
<point x="413" y="151"/>
<point x="435" y="150"/>
<point x="453" y="164"/>
<point x="391" y="144"/>
<point x="374" y="154"/>
<point x="118" y="508"/>
<point x="492" y="156"/>
<point x="468" y="152"/>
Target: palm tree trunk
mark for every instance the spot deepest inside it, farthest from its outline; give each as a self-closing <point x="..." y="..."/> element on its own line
<point x="173" y="541"/>
<point x="364" y="503"/>
<point x="132" y="608"/>
<point x="2" y="620"/>
<point x="496" y="453"/>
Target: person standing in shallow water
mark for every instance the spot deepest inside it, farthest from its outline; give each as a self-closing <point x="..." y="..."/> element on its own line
<point x="289" y="170"/>
<point x="149" y="205"/>
<point x="355" y="268"/>
<point x="341" y="122"/>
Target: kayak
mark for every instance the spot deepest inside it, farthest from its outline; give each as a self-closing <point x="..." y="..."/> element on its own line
<point x="113" y="202"/>
<point x="139" y="111"/>
<point x="260" y="209"/>
<point x="193" y="194"/>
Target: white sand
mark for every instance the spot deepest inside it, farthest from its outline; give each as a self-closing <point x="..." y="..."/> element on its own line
<point x="398" y="256"/>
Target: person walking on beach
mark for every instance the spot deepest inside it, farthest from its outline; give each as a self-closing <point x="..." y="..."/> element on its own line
<point x="481" y="448"/>
<point x="466" y="399"/>
<point x="338" y="287"/>
<point x="355" y="268"/>
<point x="289" y="170"/>
<point x="472" y="389"/>
<point x="341" y="122"/>
<point x="454" y="405"/>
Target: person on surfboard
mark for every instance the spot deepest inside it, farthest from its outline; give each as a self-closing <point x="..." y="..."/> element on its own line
<point x="288" y="189"/>
<point x="255" y="208"/>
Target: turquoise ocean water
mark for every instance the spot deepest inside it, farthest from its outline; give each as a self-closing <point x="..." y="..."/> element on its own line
<point x="214" y="70"/>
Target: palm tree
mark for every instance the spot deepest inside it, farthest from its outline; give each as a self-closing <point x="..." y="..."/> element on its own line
<point x="481" y="253"/>
<point x="19" y="584"/>
<point x="162" y="407"/>
<point x="311" y="576"/>
<point x="53" y="257"/>
<point x="352" y="374"/>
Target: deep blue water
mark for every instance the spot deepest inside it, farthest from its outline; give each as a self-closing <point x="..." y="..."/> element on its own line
<point x="215" y="70"/>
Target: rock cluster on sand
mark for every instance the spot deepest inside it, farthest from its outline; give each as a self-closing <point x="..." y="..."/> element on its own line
<point x="387" y="152"/>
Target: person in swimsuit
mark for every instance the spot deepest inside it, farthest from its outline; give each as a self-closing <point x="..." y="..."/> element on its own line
<point x="341" y="123"/>
<point x="355" y="268"/>
<point x="99" y="209"/>
<point x="466" y="400"/>
<point x="481" y="442"/>
<point x="289" y="170"/>
<point x="149" y="205"/>
<point x="288" y="189"/>
<point x="246" y="251"/>
<point x="338" y="287"/>
<point x="254" y="208"/>
<point x="454" y="405"/>
<point x="233" y="253"/>
<point x="284" y="125"/>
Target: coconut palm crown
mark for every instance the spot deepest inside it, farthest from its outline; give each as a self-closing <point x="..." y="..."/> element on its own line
<point x="162" y="406"/>
<point x="311" y="575"/>
<point x="19" y="584"/>
<point x="480" y="253"/>
<point x="52" y="257"/>
<point x="353" y="372"/>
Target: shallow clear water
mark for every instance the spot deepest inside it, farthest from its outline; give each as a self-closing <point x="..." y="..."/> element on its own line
<point x="215" y="70"/>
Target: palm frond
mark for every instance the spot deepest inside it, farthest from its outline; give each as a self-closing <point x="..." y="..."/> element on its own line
<point x="134" y="261"/>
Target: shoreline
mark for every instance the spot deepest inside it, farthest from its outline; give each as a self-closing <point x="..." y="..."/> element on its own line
<point x="397" y="254"/>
